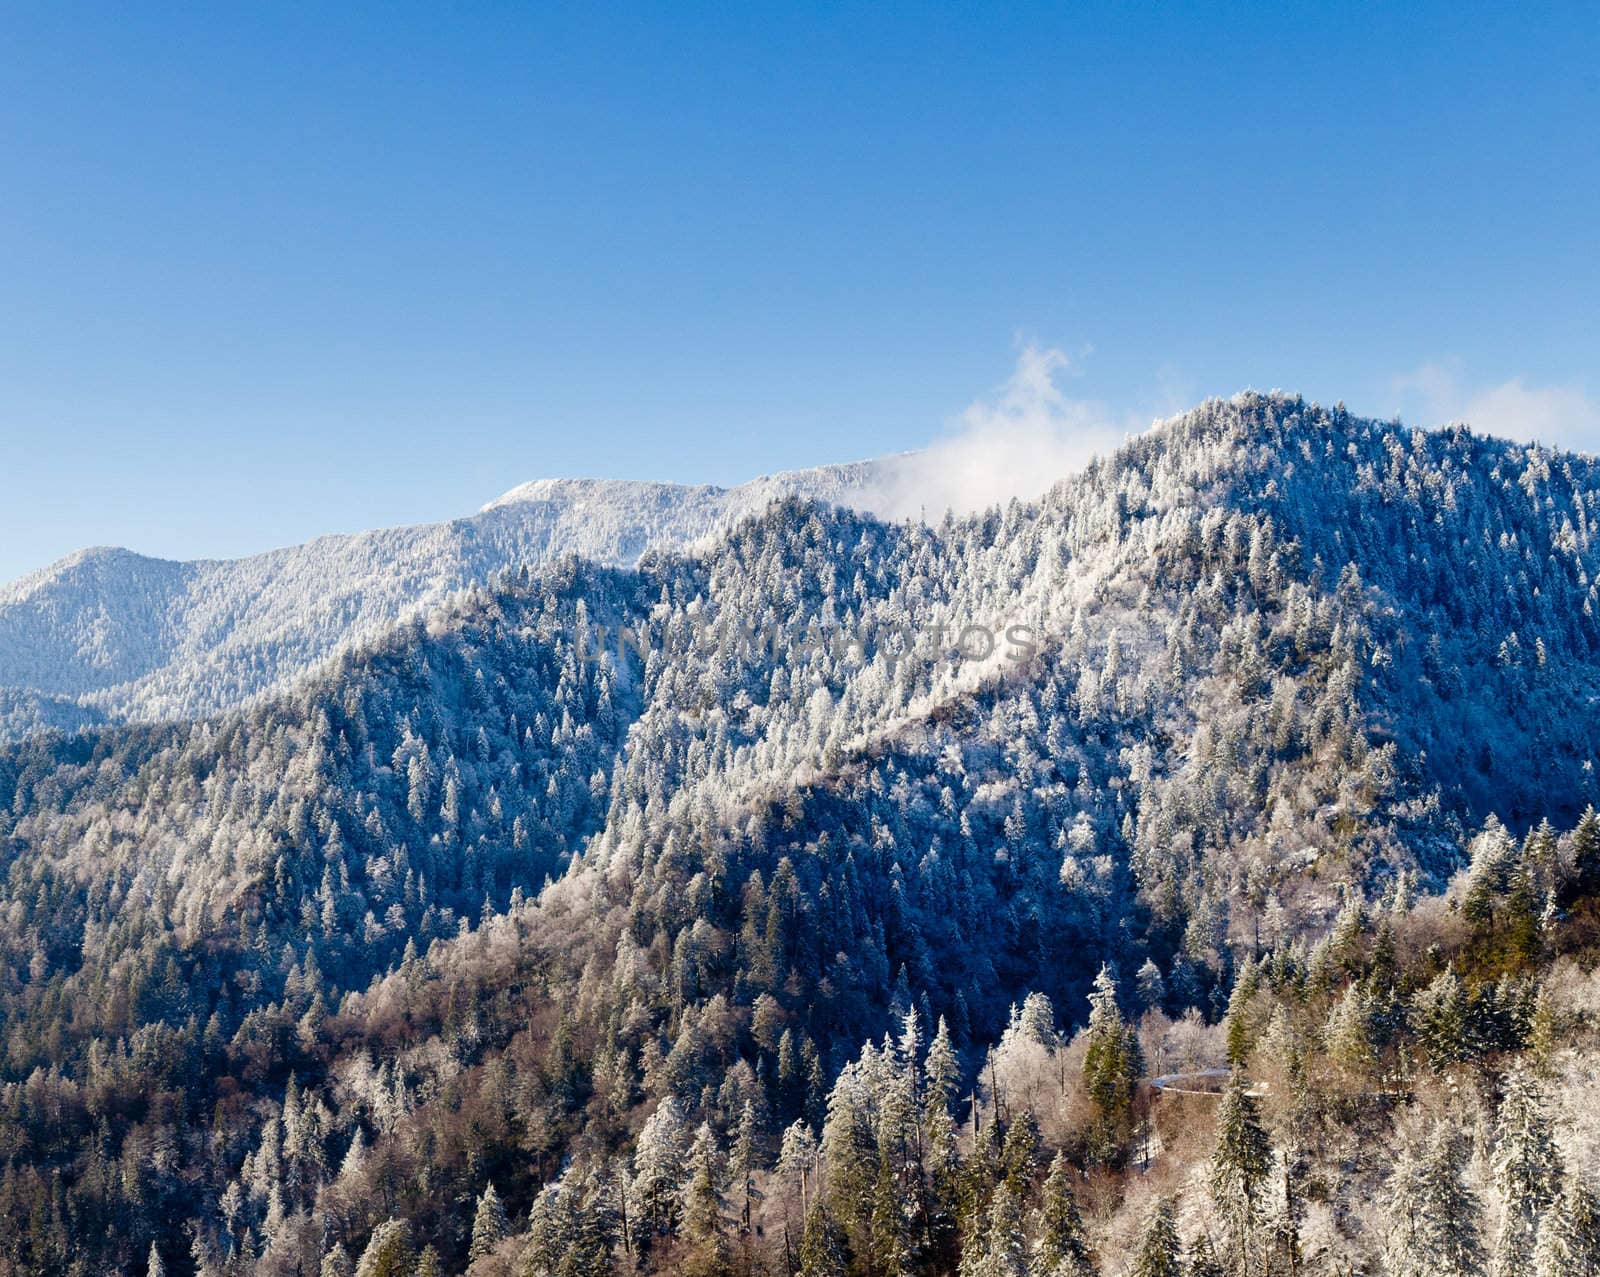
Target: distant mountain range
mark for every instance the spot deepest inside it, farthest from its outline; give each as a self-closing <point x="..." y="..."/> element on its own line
<point x="107" y="634"/>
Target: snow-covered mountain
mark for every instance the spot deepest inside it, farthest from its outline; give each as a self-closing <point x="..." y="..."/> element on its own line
<point x="110" y="634"/>
<point x="464" y="907"/>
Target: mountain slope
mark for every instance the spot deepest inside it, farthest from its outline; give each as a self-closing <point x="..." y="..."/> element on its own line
<point x="109" y="634"/>
<point x="1268" y="677"/>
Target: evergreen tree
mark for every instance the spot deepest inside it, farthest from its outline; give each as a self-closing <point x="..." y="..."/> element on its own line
<point x="944" y="1180"/>
<point x="1586" y="854"/>
<point x="849" y="1144"/>
<point x="1493" y="857"/>
<point x="704" y="1230"/>
<point x="1348" y="1033"/>
<point x="1111" y="1067"/>
<point x="1286" y="1213"/>
<point x="554" y="1231"/>
<point x="1527" y="1172"/>
<point x="941" y="1070"/>
<point x="1240" y="1164"/>
<point x="1441" y="1019"/>
<point x="659" y="1160"/>
<point x="999" y="1247"/>
<point x="388" y="1252"/>
<point x="743" y="1163"/>
<point x="1152" y="988"/>
<point x="1019" y="1155"/>
<point x="1432" y="1212"/>
<point x="1569" y="1233"/>
<point x="1063" y="1247"/>
<point x="1037" y="1019"/>
<point x="1158" y="1252"/>
<point x="489" y="1225"/>
<point x="1239" y="1037"/>
<point x="797" y="1157"/>
<point x="823" y="1252"/>
<point x="1203" y="1261"/>
<point x="891" y="1246"/>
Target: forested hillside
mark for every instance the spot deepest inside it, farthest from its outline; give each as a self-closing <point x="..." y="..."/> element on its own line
<point x="109" y="635"/>
<point x="801" y="932"/>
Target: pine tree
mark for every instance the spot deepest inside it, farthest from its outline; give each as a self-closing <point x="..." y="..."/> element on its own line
<point x="388" y="1252"/>
<point x="823" y="1252"/>
<point x="1348" y="1033"/>
<point x="554" y="1230"/>
<point x="153" y="1267"/>
<point x="1453" y="1207"/>
<point x="849" y="1146"/>
<point x="1286" y="1213"/>
<point x="659" y="1161"/>
<point x="1110" y="1069"/>
<point x="337" y="1263"/>
<point x="1527" y="1171"/>
<point x="1158" y="1253"/>
<point x="1152" y="988"/>
<point x="600" y="1213"/>
<point x="1203" y="1261"/>
<point x="1523" y="918"/>
<point x="1569" y="1233"/>
<point x="944" y="1181"/>
<point x="1441" y="1018"/>
<point x="891" y="1246"/>
<point x="1432" y="1211"/>
<point x="1494" y="856"/>
<point x="1063" y="1246"/>
<point x="1239" y="1037"/>
<point x="1037" y="1020"/>
<point x="428" y="1264"/>
<point x="797" y="1157"/>
<point x="1240" y="1164"/>
<point x="1586" y="854"/>
<point x="1019" y="1155"/>
<point x="743" y="1161"/>
<point x="997" y="1246"/>
<point x="704" y="1230"/>
<point x="489" y="1225"/>
<point x="941" y="1070"/>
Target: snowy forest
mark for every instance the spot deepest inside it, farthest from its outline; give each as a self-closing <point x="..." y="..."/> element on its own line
<point x="1251" y="925"/>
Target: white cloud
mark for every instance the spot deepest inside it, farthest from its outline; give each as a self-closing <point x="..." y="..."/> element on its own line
<point x="1561" y="416"/>
<point x="1016" y="442"/>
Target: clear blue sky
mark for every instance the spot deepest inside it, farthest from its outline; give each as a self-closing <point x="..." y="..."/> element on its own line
<point x="272" y="271"/>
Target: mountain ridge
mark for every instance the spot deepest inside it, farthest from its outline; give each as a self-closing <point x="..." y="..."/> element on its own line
<point x="106" y="633"/>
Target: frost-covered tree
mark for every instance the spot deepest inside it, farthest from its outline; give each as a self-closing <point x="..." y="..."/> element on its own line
<point x="489" y="1225"/>
<point x="1000" y="1247"/>
<point x="1569" y="1233"/>
<point x="1062" y="1248"/>
<point x="1240" y="1164"/>
<point x="1527" y="1171"/>
<point x="388" y="1252"/>
<point x="823" y="1251"/>
<point x="1158" y="1252"/>
<point x="660" y="1162"/>
<point x="1432" y="1212"/>
<point x="1111" y="1067"/>
<point x="704" y="1227"/>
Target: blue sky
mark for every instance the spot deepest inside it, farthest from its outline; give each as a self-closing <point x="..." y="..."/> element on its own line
<point x="271" y="271"/>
